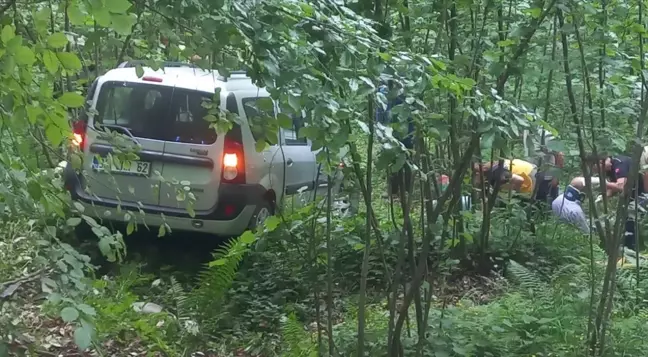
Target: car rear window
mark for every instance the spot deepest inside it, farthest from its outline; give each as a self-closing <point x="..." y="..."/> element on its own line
<point x="156" y="112"/>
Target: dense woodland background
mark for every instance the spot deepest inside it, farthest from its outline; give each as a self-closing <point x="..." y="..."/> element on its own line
<point x="398" y="277"/>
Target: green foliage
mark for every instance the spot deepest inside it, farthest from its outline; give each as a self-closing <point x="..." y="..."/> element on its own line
<point x="325" y="61"/>
<point x="298" y="343"/>
<point x="118" y="322"/>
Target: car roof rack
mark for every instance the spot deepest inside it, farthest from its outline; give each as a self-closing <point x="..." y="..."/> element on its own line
<point x="165" y="64"/>
<point x="224" y="78"/>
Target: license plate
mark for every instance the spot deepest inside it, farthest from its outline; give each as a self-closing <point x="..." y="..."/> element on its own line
<point x="142" y="168"/>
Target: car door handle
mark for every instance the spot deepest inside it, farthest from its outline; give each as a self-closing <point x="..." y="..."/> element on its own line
<point x="289" y="162"/>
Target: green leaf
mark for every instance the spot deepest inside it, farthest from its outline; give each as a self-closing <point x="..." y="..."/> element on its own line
<point x="77" y="17"/>
<point x="161" y="231"/>
<point x="306" y="8"/>
<point x="123" y="24"/>
<point x="57" y="40"/>
<point x="130" y="228"/>
<point x="271" y="223"/>
<point x="69" y="60"/>
<point x="7" y="34"/>
<point x="73" y="221"/>
<point x="69" y="314"/>
<point x="51" y="62"/>
<point x="217" y="262"/>
<point x="72" y="100"/>
<point x="54" y="134"/>
<point x="535" y="12"/>
<point x="87" y="309"/>
<point x="35" y="190"/>
<point x="139" y="71"/>
<point x="248" y="237"/>
<point x="260" y="145"/>
<point x="83" y="337"/>
<point x="24" y="55"/>
<point x="79" y="207"/>
<point x="284" y="121"/>
<point x="294" y="102"/>
<point x="118" y="6"/>
<point x="54" y="298"/>
<point x="14" y="43"/>
<point x="265" y="104"/>
<point x="101" y="15"/>
<point x="104" y="247"/>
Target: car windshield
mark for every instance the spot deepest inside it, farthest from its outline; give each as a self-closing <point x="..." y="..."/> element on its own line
<point x="156" y="112"/>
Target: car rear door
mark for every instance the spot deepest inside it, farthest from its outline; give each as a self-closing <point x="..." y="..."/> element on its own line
<point x="137" y="110"/>
<point x="192" y="153"/>
<point x="265" y="167"/>
<point x="300" y="161"/>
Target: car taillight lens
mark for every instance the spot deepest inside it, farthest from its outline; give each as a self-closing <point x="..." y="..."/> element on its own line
<point x="233" y="162"/>
<point x="78" y="134"/>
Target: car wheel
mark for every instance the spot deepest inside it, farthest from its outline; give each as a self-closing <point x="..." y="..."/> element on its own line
<point x="261" y="213"/>
<point x="84" y="233"/>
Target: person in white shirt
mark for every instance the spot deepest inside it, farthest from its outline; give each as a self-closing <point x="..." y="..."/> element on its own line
<point x="568" y="205"/>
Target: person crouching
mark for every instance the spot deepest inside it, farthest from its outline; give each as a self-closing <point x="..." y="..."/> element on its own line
<point x="568" y="205"/>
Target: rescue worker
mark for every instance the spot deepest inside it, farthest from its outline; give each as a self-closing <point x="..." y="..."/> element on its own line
<point x="403" y="177"/>
<point x="521" y="177"/>
<point x="567" y="206"/>
<point x="643" y="165"/>
<point x="617" y="170"/>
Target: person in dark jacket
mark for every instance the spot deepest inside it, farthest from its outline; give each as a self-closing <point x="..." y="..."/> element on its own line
<point x="617" y="170"/>
<point x="384" y="116"/>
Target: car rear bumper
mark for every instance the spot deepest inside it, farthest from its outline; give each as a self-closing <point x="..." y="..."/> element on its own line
<point x="233" y="227"/>
<point x="221" y="219"/>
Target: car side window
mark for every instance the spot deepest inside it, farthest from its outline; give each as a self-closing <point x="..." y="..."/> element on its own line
<point x="256" y="116"/>
<point x="291" y="136"/>
<point x="116" y="109"/>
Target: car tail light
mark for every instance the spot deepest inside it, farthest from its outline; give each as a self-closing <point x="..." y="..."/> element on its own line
<point x="79" y="134"/>
<point x="233" y="161"/>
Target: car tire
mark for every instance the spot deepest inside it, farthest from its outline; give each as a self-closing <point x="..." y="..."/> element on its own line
<point x="262" y="212"/>
<point x="84" y="233"/>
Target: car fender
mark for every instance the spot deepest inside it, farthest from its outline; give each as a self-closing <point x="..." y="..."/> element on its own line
<point x="273" y="182"/>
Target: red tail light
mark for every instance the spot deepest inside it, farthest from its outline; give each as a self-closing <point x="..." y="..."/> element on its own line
<point x="79" y="134"/>
<point x="233" y="162"/>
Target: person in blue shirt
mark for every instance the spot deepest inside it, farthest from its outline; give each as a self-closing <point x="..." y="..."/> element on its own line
<point x="385" y="117"/>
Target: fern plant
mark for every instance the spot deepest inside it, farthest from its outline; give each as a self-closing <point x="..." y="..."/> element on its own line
<point x="180" y="299"/>
<point x="529" y="281"/>
<point x="207" y="299"/>
<point x="297" y="342"/>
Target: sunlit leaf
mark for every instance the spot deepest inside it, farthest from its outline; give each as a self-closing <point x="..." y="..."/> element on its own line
<point x="57" y="40"/>
<point x="7" y="34"/>
<point x="69" y="60"/>
<point x="24" y="55"/>
<point x="123" y="24"/>
<point x="51" y="61"/>
<point x="248" y="237"/>
<point x="76" y="16"/>
<point x="72" y="100"/>
<point x="118" y="6"/>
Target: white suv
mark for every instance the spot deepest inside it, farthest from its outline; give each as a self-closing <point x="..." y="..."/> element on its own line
<point x="235" y="187"/>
